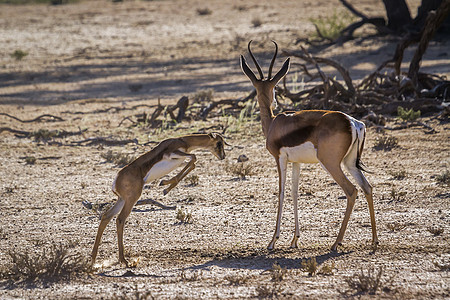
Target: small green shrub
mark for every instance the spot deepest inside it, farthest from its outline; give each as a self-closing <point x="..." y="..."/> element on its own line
<point x="330" y="27"/>
<point x="19" y="54"/>
<point x="407" y="115"/>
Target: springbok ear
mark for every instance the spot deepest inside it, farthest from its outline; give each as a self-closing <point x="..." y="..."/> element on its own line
<point x="283" y="71"/>
<point x="247" y="71"/>
<point x="213" y="135"/>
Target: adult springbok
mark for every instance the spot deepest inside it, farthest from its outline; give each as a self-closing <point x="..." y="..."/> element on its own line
<point x="161" y="160"/>
<point x="330" y="138"/>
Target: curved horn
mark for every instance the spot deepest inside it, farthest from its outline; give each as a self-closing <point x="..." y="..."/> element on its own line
<point x="273" y="60"/>
<point x="256" y="63"/>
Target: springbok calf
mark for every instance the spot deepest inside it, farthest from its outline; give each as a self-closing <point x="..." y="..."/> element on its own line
<point x="161" y="160"/>
<point x="330" y="138"/>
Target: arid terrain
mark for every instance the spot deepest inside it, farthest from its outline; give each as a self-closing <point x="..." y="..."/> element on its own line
<point x="97" y="65"/>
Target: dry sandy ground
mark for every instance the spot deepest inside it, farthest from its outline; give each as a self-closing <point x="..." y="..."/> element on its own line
<point x="83" y="57"/>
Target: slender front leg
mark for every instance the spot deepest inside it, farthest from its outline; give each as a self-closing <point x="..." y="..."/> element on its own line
<point x="186" y="170"/>
<point x="282" y="165"/>
<point x="295" y="180"/>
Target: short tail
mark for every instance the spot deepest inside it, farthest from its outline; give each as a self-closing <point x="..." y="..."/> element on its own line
<point x="359" y="164"/>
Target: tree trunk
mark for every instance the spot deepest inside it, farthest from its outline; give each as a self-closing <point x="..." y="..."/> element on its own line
<point x="422" y="13"/>
<point x="398" y="14"/>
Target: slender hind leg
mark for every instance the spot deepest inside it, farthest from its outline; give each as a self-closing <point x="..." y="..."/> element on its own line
<point x="331" y="151"/>
<point x="367" y="188"/>
<point x="120" y="223"/>
<point x="295" y="180"/>
<point x="106" y="217"/>
<point x="350" y="193"/>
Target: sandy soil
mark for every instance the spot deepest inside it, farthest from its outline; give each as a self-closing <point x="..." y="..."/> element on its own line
<point x="88" y="56"/>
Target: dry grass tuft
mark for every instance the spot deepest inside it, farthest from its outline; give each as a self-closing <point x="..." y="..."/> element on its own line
<point x="184" y="217"/>
<point x="192" y="180"/>
<point x="444" y="177"/>
<point x="241" y="170"/>
<point x="327" y="269"/>
<point x="367" y="283"/>
<point x="278" y="273"/>
<point x="203" y="96"/>
<point x="56" y="262"/>
<point x="395" y="226"/>
<point x="119" y="159"/>
<point x="385" y="143"/>
<point x="234" y="279"/>
<point x="204" y="11"/>
<point x="310" y="266"/>
<point x="398" y="174"/>
<point x="266" y="291"/>
<point x="435" y="230"/>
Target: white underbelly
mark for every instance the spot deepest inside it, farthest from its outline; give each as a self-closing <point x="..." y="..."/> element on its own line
<point x="162" y="168"/>
<point x="304" y="153"/>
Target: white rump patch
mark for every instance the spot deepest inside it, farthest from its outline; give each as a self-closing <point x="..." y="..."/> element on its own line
<point x="304" y="153"/>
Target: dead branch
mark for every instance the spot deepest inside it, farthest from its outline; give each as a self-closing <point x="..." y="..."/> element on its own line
<point x="37" y="119"/>
<point x="115" y="109"/>
<point x="154" y="202"/>
<point x="87" y="204"/>
<point x="232" y="102"/>
<point x="43" y="134"/>
<point x="181" y="105"/>
<point x="433" y="22"/>
<point x="103" y="141"/>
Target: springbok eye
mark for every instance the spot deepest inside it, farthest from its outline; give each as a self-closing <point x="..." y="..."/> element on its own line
<point x="219" y="145"/>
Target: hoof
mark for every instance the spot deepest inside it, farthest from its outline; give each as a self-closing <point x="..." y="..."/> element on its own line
<point x="334" y="247"/>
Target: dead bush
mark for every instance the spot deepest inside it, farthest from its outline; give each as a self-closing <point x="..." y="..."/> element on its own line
<point x="119" y="159"/>
<point x="278" y="272"/>
<point x="241" y="170"/>
<point x="234" y="279"/>
<point x="310" y="266"/>
<point x="435" y="230"/>
<point x="56" y="262"/>
<point x="385" y="143"/>
<point x="444" y="177"/>
<point x="184" y="217"/>
<point x="367" y="283"/>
